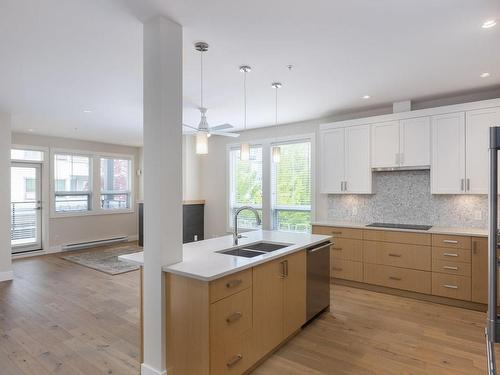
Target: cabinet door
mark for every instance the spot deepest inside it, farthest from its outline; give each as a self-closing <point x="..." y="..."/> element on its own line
<point x="358" y="170"/>
<point x="415" y="146"/>
<point x="267" y="306"/>
<point x="385" y="144"/>
<point x="332" y="160"/>
<point x="479" y="276"/>
<point x="477" y="137"/>
<point x="448" y="154"/>
<point x="294" y="302"/>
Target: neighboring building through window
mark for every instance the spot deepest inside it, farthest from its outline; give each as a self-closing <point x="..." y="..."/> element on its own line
<point x="245" y="180"/>
<point x="115" y="183"/>
<point x="72" y="183"/>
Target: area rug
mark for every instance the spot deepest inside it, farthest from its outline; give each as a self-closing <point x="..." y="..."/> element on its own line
<point x="105" y="259"/>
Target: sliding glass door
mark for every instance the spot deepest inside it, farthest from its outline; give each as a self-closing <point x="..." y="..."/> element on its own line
<point x="26" y="218"/>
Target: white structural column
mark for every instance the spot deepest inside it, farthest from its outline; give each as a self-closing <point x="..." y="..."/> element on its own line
<point x="5" y="250"/>
<point x="162" y="178"/>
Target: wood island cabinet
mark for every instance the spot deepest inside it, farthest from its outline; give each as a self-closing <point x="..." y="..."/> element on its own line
<point x="227" y="325"/>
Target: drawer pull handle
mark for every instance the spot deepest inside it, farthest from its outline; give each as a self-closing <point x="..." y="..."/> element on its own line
<point x="234" y="360"/>
<point x="395" y="255"/>
<point x="451" y="241"/>
<point x="234" y="317"/>
<point x="450" y="286"/>
<point x="336" y="232"/>
<point x="395" y="278"/>
<point x="450" y="268"/>
<point x="337" y="269"/>
<point x="450" y="254"/>
<point x="233" y="283"/>
<point x="337" y="248"/>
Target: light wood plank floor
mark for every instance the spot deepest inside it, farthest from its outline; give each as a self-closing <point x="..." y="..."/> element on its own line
<point x="61" y="318"/>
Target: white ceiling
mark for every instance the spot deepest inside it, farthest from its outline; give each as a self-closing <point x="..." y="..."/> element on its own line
<point x="59" y="58"/>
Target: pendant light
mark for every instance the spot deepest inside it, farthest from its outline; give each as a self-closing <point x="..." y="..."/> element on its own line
<point x="201" y="136"/>
<point x="276" y="153"/>
<point x="245" y="147"/>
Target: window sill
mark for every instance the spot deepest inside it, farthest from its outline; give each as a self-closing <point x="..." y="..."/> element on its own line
<point x="54" y="215"/>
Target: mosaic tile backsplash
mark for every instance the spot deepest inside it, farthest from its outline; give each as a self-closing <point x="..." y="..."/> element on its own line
<point x="405" y="197"/>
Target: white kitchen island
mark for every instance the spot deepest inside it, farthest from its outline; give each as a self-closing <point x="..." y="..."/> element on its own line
<point x="227" y="313"/>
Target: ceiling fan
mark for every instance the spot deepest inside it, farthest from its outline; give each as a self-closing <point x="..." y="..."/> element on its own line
<point x="204" y="130"/>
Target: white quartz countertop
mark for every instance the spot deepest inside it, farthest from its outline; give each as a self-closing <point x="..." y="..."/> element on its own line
<point x="477" y="232"/>
<point x="202" y="261"/>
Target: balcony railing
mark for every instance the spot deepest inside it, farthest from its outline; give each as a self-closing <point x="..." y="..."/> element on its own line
<point x="292" y="218"/>
<point x="23" y="222"/>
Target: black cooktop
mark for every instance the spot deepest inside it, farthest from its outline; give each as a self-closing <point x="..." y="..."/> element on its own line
<point x="400" y="226"/>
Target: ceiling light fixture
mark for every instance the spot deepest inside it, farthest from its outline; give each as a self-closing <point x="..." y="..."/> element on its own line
<point x="202" y="136"/>
<point x="489" y="24"/>
<point x="245" y="147"/>
<point x="276" y="149"/>
<point x="87" y="111"/>
<point x="366" y="97"/>
<point x="484" y="75"/>
<point x="31" y="130"/>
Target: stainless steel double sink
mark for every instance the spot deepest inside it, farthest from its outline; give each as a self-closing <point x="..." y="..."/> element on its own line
<point x="255" y="249"/>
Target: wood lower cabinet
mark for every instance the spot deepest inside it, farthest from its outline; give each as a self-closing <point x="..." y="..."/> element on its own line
<point x="479" y="270"/>
<point x="398" y="278"/>
<point x="279" y="300"/>
<point x="225" y="326"/>
<point x="416" y="257"/>
<point x="346" y="269"/>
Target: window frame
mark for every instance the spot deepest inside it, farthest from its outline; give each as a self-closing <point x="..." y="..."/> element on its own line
<point x="267" y="144"/>
<point x="94" y="183"/>
<point x="128" y="192"/>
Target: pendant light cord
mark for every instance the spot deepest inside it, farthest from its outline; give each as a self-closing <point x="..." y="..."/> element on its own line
<point x="276" y="108"/>
<point x="201" y="80"/>
<point x="245" y="99"/>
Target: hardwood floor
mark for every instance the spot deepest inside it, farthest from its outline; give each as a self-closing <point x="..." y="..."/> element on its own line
<point x="57" y="317"/>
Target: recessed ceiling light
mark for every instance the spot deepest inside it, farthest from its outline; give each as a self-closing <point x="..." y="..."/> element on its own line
<point x="366" y="97"/>
<point x="31" y="130"/>
<point x="484" y="75"/>
<point x="489" y="24"/>
<point x="87" y="111"/>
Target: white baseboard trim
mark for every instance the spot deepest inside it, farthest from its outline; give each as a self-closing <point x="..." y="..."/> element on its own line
<point x="6" y="275"/>
<point x="134" y="237"/>
<point x="148" y="370"/>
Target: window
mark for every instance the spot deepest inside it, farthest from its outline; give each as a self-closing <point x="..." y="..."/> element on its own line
<point x="72" y="183"/>
<point x="29" y="188"/>
<point x="291" y="187"/>
<point x="115" y="184"/>
<point x="245" y="186"/>
<point x="27" y="155"/>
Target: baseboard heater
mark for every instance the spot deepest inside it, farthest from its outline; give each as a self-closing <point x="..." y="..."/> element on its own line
<point x="84" y="245"/>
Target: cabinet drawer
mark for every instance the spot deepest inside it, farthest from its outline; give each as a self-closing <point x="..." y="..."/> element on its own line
<point x="231" y="316"/>
<point x="398" y="237"/>
<point x="230" y="284"/>
<point x="455" y="242"/>
<point x="450" y="267"/>
<point x="347" y="249"/>
<point x="337" y="232"/>
<point x="447" y="254"/>
<point x="232" y="356"/>
<point x="346" y="269"/>
<point x="399" y="255"/>
<point x="399" y="278"/>
<point x="451" y="286"/>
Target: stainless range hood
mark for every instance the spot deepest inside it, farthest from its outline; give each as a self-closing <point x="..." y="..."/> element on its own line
<point x="395" y="169"/>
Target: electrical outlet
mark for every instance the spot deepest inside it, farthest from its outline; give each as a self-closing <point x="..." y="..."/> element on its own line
<point x="354" y="210"/>
<point x="478" y="215"/>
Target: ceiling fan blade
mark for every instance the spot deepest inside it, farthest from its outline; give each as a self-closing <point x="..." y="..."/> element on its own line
<point x="221" y="127"/>
<point x="224" y="134"/>
<point x="190" y="127"/>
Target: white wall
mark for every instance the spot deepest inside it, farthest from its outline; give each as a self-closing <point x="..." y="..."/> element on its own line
<point x="63" y="230"/>
<point x="5" y="253"/>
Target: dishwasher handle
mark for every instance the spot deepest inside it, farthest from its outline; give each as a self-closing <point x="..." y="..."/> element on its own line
<point x="318" y="247"/>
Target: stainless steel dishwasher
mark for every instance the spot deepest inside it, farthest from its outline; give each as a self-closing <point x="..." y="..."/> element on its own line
<point x="318" y="279"/>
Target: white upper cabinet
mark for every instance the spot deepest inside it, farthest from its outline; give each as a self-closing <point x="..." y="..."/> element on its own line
<point x="477" y="136"/>
<point x="385" y="144"/>
<point x="332" y="160"/>
<point x="358" y="176"/>
<point x="345" y="160"/>
<point x="415" y="142"/>
<point x="448" y="154"/>
<point x="405" y="143"/>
